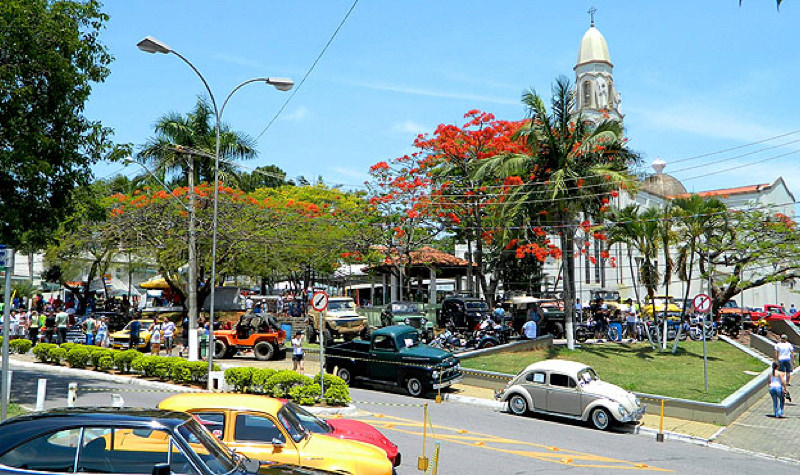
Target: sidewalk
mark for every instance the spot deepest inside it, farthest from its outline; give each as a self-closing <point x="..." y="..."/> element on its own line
<point x="758" y="431"/>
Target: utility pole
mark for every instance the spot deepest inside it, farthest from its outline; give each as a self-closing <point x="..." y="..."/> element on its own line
<point x="191" y="287"/>
<point x="7" y="262"/>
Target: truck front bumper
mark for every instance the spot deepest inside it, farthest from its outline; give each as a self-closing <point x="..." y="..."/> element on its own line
<point x="447" y="384"/>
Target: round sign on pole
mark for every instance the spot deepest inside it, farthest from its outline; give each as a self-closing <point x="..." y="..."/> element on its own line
<point x="319" y="301"/>
<point x="702" y="303"/>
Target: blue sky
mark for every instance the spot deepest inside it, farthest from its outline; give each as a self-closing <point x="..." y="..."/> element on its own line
<point x="695" y="76"/>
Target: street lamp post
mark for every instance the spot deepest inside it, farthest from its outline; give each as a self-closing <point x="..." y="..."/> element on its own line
<point x="152" y="45"/>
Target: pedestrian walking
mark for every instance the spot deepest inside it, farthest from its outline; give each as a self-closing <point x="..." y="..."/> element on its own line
<point x="90" y="327"/>
<point x="777" y="389"/>
<point x="297" y="352"/>
<point x="784" y="355"/>
<point x="33" y="328"/>
<point x="168" y="328"/>
<point x="631" y="319"/>
<point x="50" y="328"/>
<point x="184" y="336"/>
<point x="133" y="333"/>
<point x="156" y="332"/>
<point x="102" y="333"/>
<point x="62" y="320"/>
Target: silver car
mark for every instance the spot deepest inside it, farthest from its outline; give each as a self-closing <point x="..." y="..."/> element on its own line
<point x="570" y="389"/>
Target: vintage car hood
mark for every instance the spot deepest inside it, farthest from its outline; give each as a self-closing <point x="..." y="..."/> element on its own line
<point x="424" y="353"/>
<point x="349" y="454"/>
<point x="610" y="391"/>
<point x="342" y="314"/>
<point x="363" y="432"/>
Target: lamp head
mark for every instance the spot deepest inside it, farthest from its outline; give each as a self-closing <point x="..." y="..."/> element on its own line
<point x="281" y="84"/>
<point x="152" y="45"/>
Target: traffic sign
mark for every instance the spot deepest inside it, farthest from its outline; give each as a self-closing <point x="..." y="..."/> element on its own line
<point x="319" y="301"/>
<point x="702" y="303"/>
<point x="3" y="258"/>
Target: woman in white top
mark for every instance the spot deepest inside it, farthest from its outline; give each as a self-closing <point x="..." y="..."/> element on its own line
<point x="777" y="389"/>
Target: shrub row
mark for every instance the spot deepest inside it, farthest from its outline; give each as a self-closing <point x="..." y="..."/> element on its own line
<point x="288" y="384"/>
<point x="125" y="361"/>
<point x="19" y="345"/>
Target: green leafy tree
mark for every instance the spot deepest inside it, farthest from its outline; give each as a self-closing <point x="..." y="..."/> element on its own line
<point x="50" y="56"/>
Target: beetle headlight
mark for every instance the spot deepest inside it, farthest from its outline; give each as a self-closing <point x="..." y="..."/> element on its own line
<point x="637" y="402"/>
<point x="407" y="321"/>
<point x="622" y="411"/>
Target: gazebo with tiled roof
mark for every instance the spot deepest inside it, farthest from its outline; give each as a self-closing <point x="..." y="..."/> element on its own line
<point x="425" y="263"/>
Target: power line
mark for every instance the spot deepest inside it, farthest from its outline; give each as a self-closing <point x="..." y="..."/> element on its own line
<point x="313" y="65"/>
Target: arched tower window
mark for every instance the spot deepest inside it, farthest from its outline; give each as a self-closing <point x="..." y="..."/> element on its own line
<point x="587" y="94"/>
<point x="612" y="103"/>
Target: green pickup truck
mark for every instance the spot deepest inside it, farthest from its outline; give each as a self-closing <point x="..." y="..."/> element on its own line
<point x="394" y="356"/>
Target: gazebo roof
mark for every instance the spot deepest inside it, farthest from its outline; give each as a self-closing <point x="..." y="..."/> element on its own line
<point x="425" y="257"/>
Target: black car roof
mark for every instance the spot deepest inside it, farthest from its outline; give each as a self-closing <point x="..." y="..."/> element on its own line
<point x="29" y="425"/>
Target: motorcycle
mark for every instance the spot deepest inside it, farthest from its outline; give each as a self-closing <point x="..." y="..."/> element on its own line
<point x="584" y="331"/>
<point x="730" y="325"/>
<point x="447" y="340"/>
<point x="696" y="331"/>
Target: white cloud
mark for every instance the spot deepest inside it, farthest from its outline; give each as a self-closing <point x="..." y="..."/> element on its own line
<point x="433" y="93"/>
<point x="409" y="127"/>
<point x="296" y="115"/>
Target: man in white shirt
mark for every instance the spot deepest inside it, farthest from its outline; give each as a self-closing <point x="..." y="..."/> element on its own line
<point x="784" y="354"/>
<point x="529" y="330"/>
<point x="631" y="318"/>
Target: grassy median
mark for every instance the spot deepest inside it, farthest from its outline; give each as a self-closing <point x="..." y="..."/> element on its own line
<point x="14" y="410"/>
<point x="639" y="368"/>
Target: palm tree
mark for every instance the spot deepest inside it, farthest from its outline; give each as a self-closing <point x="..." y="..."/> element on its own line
<point x="623" y="227"/>
<point x="568" y="168"/>
<point x="195" y="131"/>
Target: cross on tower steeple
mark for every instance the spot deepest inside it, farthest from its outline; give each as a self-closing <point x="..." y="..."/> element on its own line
<point x="591" y="13"/>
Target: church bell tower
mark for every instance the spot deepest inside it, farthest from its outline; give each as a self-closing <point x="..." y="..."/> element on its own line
<point x="596" y="95"/>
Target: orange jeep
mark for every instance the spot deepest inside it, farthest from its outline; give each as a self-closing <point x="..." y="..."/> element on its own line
<point x="259" y="332"/>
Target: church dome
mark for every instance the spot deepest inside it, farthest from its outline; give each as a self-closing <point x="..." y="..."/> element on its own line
<point x="593" y="48"/>
<point x="663" y="185"/>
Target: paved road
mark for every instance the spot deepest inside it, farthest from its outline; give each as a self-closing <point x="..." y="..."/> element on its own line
<point x="473" y="439"/>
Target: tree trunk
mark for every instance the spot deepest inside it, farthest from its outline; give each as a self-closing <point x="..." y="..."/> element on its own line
<point x="568" y="266"/>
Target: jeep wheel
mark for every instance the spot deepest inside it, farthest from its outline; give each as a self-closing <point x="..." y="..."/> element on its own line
<point x="220" y="349"/>
<point x="312" y="334"/>
<point x="263" y="351"/>
<point x="344" y="373"/>
<point x="327" y="339"/>
<point x="601" y="419"/>
<point x="414" y="387"/>
<point x="518" y="405"/>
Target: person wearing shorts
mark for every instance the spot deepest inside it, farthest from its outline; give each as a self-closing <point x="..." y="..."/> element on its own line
<point x="168" y="328"/>
<point x="784" y="354"/>
<point x="297" y="352"/>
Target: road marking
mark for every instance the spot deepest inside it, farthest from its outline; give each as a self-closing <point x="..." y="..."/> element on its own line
<point x="494" y="443"/>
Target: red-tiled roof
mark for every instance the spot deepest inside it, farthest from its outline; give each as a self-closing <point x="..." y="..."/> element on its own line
<point x="739" y="190"/>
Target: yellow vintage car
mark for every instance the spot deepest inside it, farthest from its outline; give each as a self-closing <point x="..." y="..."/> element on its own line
<point x="660" y="302"/>
<point x="263" y="429"/>
<point x="121" y="339"/>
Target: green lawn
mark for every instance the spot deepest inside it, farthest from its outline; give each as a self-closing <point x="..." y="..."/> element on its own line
<point x="638" y="368"/>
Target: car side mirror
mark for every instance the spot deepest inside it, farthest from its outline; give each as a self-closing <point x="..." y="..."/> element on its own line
<point x="276" y="443"/>
<point x="161" y="469"/>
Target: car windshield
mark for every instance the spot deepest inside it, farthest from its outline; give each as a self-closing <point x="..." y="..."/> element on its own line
<point x="606" y="295"/>
<point x="292" y="424"/>
<point x="307" y="420"/>
<point x="409" y="340"/>
<point x="405" y="307"/>
<point x="587" y="375"/>
<point x="338" y="305"/>
<point x="214" y="455"/>
<point x="478" y="306"/>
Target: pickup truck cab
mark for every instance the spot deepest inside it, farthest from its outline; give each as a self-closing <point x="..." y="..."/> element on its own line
<point x="394" y="356"/>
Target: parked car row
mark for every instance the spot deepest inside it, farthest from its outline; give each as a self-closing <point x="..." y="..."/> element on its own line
<point x="194" y="434"/>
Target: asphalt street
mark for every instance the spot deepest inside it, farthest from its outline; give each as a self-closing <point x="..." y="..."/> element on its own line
<point x="472" y="439"/>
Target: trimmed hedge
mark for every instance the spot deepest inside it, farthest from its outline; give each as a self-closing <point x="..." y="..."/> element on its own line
<point x="20" y="345"/>
<point x="42" y="351"/>
<point x="77" y="357"/>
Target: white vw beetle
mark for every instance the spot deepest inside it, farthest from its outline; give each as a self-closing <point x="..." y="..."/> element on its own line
<point x="570" y="389"/>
